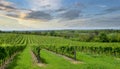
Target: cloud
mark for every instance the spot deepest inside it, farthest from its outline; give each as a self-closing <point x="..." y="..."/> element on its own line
<point x="13" y="15"/>
<point x="12" y="11"/>
<point x="9" y="23"/>
<point x="8" y="9"/>
<point x="110" y="21"/>
<point x="39" y="15"/>
<point x="70" y="14"/>
<point x="45" y="4"/>
<point x="113" y="19"/>
<point x="60" y="10"/>
<point x="112" y="9"/>
<point x="109" y="10"/>
<point x="6" y="6"/>
<point x="5" y="3"/>
<point x="55" y="13"/>
<point x="39" y="7"/>
<point x="102" y="6"/>
<point x="79" y="5"/>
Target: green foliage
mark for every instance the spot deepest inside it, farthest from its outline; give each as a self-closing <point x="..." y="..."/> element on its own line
<point x="114" y="37"/>
<point x="7" y="51"/>
<point x="36" y="51"/>
<point x="65" y="47"/>
<point x="103" y="37"/>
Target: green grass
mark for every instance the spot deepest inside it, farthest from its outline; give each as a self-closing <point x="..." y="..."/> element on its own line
<point x="54" y="61"/>
<point x="23" y="61"/>
<point x="98" y="61"/>
<point x="90" y="62"/>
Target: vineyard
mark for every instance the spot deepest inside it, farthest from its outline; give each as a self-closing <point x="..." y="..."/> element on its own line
<point x="53" y="53"/>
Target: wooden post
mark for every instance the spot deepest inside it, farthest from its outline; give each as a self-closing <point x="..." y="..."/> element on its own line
<point x="74" y="53"/>
<point x="38" y="56"/>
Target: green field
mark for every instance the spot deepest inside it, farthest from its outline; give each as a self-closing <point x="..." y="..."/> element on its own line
<point x="52" y="59"/>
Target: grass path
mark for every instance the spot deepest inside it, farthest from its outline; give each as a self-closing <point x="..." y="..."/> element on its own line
<point x="68" y="58"/>
<point x="23" y="61"/>
<point x="55" y="61"/>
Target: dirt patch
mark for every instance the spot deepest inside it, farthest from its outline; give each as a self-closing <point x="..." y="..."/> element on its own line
<point x="41" y="64"/>
<point x="117" y="58"/>
<point x="5" y="64"/>
<point x="72" y="60"/>
<point x="35" y="61"/>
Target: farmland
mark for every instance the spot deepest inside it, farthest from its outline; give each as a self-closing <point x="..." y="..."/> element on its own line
<point x="53" y="52"/>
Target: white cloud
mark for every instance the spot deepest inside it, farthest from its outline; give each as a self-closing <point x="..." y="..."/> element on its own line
<point x="45" y="4"/>
<point x="102" y="6"/>
<point x="5" y="3"/>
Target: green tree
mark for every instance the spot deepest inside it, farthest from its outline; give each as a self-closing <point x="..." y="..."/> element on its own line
<point x="103" y="37"/>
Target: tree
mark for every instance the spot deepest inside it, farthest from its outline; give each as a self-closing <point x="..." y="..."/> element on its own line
<point x="103" y="37"/>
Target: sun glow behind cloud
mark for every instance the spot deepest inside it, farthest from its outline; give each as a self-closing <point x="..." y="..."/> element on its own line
<point x="23" y="24"/>
<point x="22" y="15"/>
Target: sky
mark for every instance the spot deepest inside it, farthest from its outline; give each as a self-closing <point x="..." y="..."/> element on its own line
<point x="59" y="14"/>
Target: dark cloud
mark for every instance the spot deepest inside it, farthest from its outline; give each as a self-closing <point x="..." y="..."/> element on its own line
<point x="70" y="14"/>
<point x="10" y="7"/>
<point x="39" y="15"/>
<point x="74" y="6"/>
<point x="13" y="15"/>
<point x="6" y="6"/>
<point x="46" y="6"/>
<point x="79" y="5"/>
<point x="60" y="10"/>
<point x="105" y="21"/>
<point x="112" y="9"/>
<point x="109" y="10"/>
<point x="1" y="4"/>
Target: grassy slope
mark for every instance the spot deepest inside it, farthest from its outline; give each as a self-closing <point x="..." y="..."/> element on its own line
<point x="56" y="62"/>
<point x="90" y="62"/>
<point x="23" y="61"/>
<point x="53" y="61"/>
<point x="98" y="61"/>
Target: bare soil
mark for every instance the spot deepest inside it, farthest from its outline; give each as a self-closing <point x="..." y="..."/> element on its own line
<point x="35" y="61"/>
<point x="4" y="65"/>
